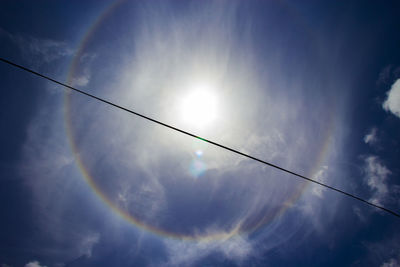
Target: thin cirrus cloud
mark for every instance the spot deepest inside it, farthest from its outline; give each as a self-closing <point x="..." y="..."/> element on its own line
<point x="38" y="51"/>
<point x="46" y="163"/>
<point x="376" y="175"/>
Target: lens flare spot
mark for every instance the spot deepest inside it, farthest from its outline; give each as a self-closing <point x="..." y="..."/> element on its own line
<point x="197" y="168"/>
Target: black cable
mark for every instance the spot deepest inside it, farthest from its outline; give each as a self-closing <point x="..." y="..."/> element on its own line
<point x="198" y="137"/>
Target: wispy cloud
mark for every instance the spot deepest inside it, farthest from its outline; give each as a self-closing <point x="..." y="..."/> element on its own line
<point x="82" y="77"/>
<point x="37" y="50"/>
<point x="49" y="171"/>
<point x="183" y="253"/>
<point x="320" y="176"/>
<point x="392" y="102"/>
<point x="47" y="49"/>
<point x="376" y="175"/>
<point x="388" y="74"/>
<point x="384" y="75"/>
<point x="391" y="263"/>
<point x="371" y="137"/>
<point x="384" y="252"/>
<point x="34" y="264"/>
<point x="87" y="244"/>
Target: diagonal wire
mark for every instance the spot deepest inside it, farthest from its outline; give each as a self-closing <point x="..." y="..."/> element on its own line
<point x="203" y="139"/>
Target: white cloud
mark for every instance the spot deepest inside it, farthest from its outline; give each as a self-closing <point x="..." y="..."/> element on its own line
<point x="391" y="263"/>
<point x="376" y="176"/>
<point x="392" y="103"/>
<point x="320" y="176"/>
<point x="371" y="138"/>
<point x="185" y="253"/>
<point x="34" y="264"/>
<point x="81" y="80"/>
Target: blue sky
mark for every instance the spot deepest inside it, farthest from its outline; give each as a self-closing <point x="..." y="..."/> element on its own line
<point x="312" y="87"/>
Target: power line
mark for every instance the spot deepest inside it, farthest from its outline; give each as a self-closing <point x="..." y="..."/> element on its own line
<point x="203" y="139"/>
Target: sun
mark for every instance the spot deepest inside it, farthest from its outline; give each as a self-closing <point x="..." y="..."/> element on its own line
<point x="199" y="108"/>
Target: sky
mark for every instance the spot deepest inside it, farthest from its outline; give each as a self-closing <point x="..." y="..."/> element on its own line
<point x="313" y="87"/>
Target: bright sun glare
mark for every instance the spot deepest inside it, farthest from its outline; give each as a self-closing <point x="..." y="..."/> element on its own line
<point x="199" y="107"/>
